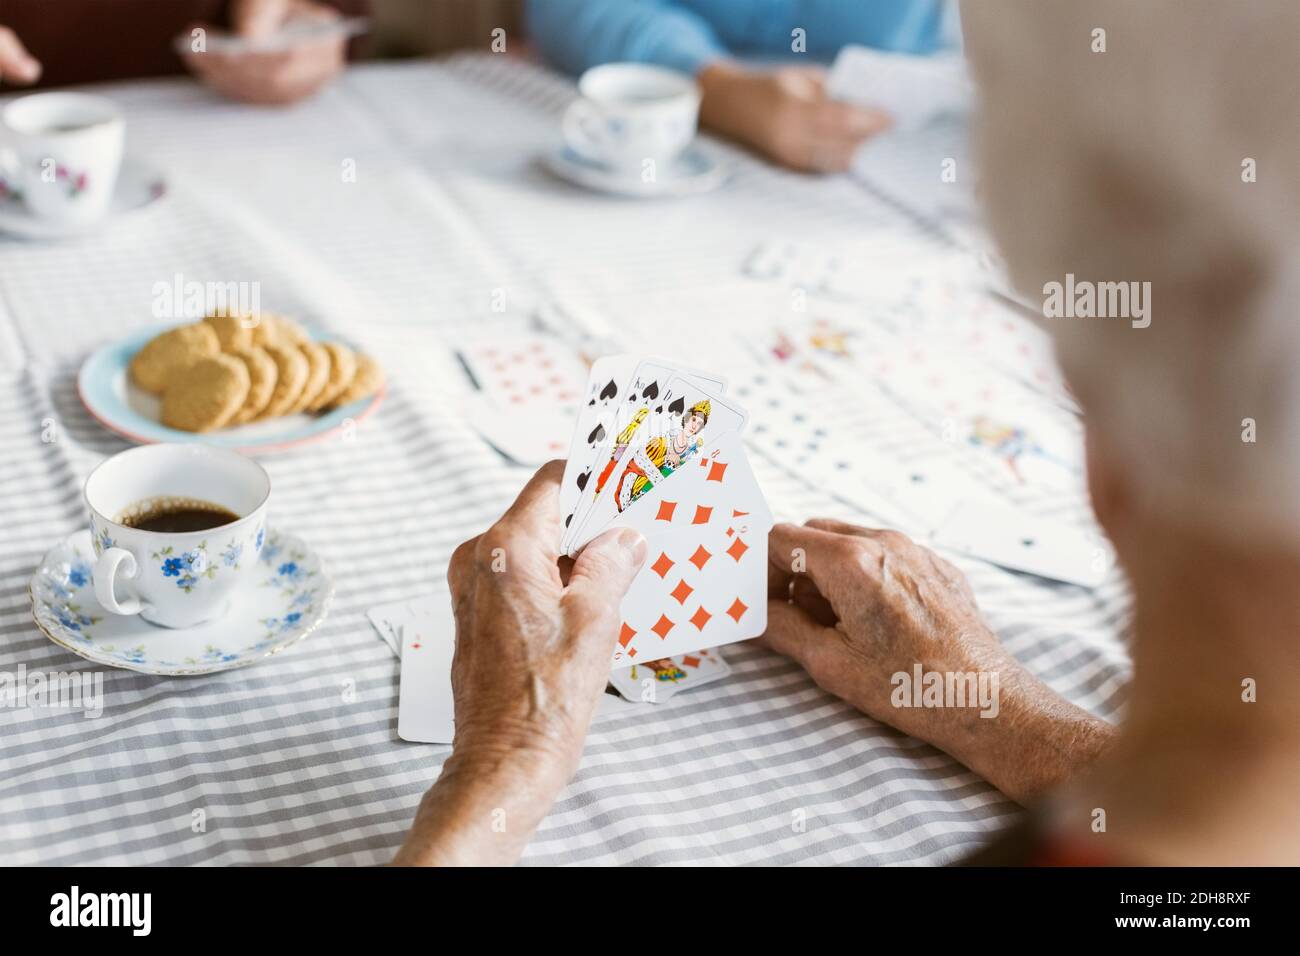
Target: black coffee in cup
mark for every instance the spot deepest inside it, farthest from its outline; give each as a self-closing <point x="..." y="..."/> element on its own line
<point x="176" y="515"/>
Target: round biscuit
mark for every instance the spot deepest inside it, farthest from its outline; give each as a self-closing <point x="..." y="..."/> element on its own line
<point x="264" y="329"/>
<point x="262" y="376"/>
<point x="318" y="373"/>
<point x="290" y="331"/>
<point x="343" y="365"/>
<point x="276" y="329"/>
<point x="166" y="353"/>
<point x="291" y="368"/>
<point x="207" y="396"/>
<point x="231" y="331"/>
<point x="369" y="378"/>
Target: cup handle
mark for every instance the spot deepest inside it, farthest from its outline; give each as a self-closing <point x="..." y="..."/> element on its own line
<point x="105" y="574"/>
<point x="580" y="119"/>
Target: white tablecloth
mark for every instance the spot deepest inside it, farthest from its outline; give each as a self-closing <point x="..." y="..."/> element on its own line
<point x="449" y="209"/>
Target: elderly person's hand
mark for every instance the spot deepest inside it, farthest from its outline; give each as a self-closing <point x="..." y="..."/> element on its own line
<point x="275" y="76"/>
<point x="785" y="114"/>
<point x="534" y="638"/>
<point x="856" y="606"/>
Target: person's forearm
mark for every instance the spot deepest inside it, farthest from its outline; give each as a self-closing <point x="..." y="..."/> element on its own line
<point x="482" y="811"/>
<point x="722" y="107"/>
<point x="1037" y="741"/>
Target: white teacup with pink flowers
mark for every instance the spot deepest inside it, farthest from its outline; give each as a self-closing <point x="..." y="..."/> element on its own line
<point x="61" y="153"/>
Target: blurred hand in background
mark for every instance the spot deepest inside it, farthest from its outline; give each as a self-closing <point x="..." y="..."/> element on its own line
<point x="278" y="76"/>
<point x="743" y="55"/>
<point x="16" y="64"/>
<point x="786" y="115"/>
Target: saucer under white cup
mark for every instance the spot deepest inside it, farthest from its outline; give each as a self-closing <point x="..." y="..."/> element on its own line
<point x="178" y="602"/>
<point x="630" y="114"/>
<point x="289" y="598"/>
<point x="138" y="186"/>
<point x="61" y="153"/>
<point x="697" y="170"/>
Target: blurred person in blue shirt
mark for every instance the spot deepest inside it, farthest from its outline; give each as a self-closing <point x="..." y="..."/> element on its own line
<point x="742" y="52"/>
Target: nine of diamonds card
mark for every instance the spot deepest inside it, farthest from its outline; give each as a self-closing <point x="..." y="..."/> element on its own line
<point x="704" y="582"/>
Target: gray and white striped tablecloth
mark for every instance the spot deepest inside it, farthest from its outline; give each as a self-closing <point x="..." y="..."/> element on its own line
<point x="296" y="761"/>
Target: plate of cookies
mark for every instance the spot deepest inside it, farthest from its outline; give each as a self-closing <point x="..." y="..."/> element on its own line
<point x="255" y="384"/>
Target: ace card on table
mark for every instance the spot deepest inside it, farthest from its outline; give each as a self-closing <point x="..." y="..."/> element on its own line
<point x="422" y="632"/>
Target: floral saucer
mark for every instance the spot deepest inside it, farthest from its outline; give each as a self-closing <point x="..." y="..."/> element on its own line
<point x="289" y="602"/>
<point x="138" y="185"/>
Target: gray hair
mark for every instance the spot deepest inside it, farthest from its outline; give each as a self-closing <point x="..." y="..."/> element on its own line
<point x="1133" y="164"/>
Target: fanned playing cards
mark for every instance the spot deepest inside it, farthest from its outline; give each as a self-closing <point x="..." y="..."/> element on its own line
<point x="658" y="448"/>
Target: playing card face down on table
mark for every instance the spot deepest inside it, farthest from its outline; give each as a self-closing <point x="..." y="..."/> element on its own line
<point x="1013" y="539"/>
<point x="704" y="581"/>
<point x="656" y="681"/>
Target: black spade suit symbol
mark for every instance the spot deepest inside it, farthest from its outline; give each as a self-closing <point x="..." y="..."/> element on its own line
<point x="568" y="519"/>
<point x="609" y="391"/>
<point x="678" y="405"/>
<point x="597" y="435"/>
<point x="582" y="480"/>
<point x="651" y="391"/>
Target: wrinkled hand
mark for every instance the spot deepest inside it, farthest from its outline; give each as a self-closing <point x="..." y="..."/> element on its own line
<point x="16" y="64"/>
<point x="870" y="604"/>
<point x="786" y="114"/>
<point x="534" y="634"/>
<point x="272" y="77"/>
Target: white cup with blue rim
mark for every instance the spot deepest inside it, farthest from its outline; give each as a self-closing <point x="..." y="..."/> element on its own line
<point x="61" y="153"/>
<point x="175" y="578"/>
<point x="630" y="113"/>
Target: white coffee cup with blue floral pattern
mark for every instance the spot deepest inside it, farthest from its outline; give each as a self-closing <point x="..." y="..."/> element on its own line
<point x="632" y="116"/>
<point x="175" y="579"/>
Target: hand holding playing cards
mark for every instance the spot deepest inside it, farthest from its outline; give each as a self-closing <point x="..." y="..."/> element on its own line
<point x="786" y="114"/>
<point x="272" y="77"/>
<point x="856" y="606"/>
<point x="534" y="638"/>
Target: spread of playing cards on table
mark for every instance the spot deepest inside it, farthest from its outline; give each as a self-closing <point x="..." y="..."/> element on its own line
<point x="650" y="433"/>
